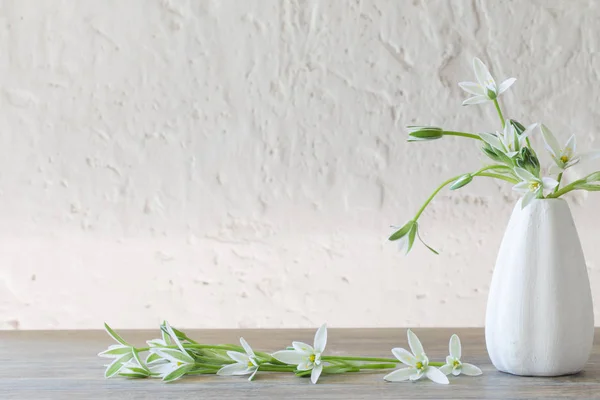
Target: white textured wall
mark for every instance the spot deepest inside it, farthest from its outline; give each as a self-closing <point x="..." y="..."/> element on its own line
<point x="237" y="163"/>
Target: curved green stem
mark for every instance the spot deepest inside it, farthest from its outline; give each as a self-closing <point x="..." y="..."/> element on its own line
<point x="276" y="368"/>
<point x="564" y="190"/>
<point x="437" y="364"/>
<point x="498" y="176"/>
<point x="462" y="134"/>
<point x="499" y="112"/>
<point x="449" y="181"/>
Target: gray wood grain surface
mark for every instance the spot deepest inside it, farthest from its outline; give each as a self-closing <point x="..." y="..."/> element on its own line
<point x="64" y="365"/>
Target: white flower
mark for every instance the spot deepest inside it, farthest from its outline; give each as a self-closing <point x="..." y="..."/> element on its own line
<point x="486" y="89"/>
<point x="508" y="141"/>
<point x="306" y="357"/>
<point x="418" y="364"/>
<point x="532" y="186"/>
<point x="120" y="353"/>
<point x="244" y="363"/>
<point x="566" y="156"/>
<point x="170" y="364"/>
<point x="453" y="364"/>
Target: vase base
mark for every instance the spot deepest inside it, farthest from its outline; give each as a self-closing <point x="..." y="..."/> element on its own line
<point x="541" y="374"/>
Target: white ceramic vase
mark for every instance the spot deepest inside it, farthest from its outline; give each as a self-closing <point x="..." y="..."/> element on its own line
<point x="540" y="319"/>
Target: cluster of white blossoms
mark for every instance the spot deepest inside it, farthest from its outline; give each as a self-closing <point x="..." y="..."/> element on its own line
<point x="510" y="148"/>
<point x="175" y="355"/>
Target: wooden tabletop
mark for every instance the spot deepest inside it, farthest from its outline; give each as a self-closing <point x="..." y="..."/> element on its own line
<point x="64" y="365"/>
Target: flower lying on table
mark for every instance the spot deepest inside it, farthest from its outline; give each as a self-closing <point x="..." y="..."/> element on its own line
<point x="175" y="355"/>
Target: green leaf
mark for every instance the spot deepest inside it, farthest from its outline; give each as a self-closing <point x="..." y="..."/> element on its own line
<point x="152" y="357"/>
<point x="434" y="251"/>
<point x="178" y="373"/>
<point x="411" y="237"/>
<point x="114" y="335"/>
<point x="400" y="233"/>
<point x="136" y="356"/>
<point x="462" y="181"/>
<point x="176" y="354"/>
<point x="116" y="351"/>
<point x="132" y="375"/>
<point x="595" y="177"/>
<point x="116" y="365"/>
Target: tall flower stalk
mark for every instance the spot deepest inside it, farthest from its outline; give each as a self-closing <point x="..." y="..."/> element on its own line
<point x="512" y="157"/>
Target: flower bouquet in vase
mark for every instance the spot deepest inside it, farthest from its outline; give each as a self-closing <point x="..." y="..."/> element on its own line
<point x="539" y="319"/>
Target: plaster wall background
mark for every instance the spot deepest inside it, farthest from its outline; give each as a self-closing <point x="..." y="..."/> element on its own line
<point x="238" y="163"/>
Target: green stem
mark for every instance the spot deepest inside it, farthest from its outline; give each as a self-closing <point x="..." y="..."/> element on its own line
<point x="377" y="366"/>
<point x="559" y="180"/>
<point x="499" y="112"/>
<point x="498" y="176"/>
<point x="449" y="181"/>
<point x="374" y="359"/>
<point x="564" y="190"/>
<point x="276" y="368"/>
<point x="462" y="134"/>
<point x="437" y="364"/>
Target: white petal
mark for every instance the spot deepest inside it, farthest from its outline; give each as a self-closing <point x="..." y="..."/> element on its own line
<point x="400" y="375"/>
<point x="436" y="375"/>
<point x="253" y="373"/>
<point x="404" y="356"/>
<point x="234" y="369"/>
<point x="555" y="169"/>
<point x="551" y="143"/>
<point x="238" y="357"/>
<point x="527" y="132"/>
<point x="475" y="100"/>
<point x="305" y="365"/>
<point x="570" y="147"/>
<point x="321" y="339"/>
<point x="290" y="357"/>
<point x="446" y="369"/>
<point x="454" y="346"/>
<point x="492" y="140"/>
<point x="527" y="199"/>
<point x="456" y="371"/>
<point x="174" y="337"/>
<point x="316" y="373"/>
<point x="522" y="187"/>
<point x="303" y="348"/>
<point x="418" y="375"/>
<point x="549" y="183"/>
<point x="589" y="156"/>
<point x="525" y="175"/>
<point x="415" y="344"/>
<point x="247" y="347"/>
<point x="473" y="88"/>
<point x="482" y="73"/>
<point x="470" y="370"/>
<point x="505" y="85"/>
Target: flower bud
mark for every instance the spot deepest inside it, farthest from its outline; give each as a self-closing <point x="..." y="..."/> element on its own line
<point x="528" y="161"/>
<point x="422" y="133"/>
<point x="517" y="125"/>
<point x="462" y="181"/>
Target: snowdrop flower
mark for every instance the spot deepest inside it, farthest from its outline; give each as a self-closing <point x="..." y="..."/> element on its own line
<point x="486" y="88"/>
<point x="120" y="353"/>
<point x="566" y="156"/>
<point x="170" y="364"/>
<point x="508" y="141"/>
<point x="306" y="357"/>
<point x="531" y="186"/>
<point x="418" y="364"/>
<point x="244" y="363"/>
<point x="453" y="364"/>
